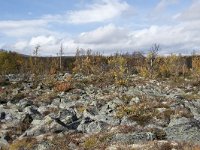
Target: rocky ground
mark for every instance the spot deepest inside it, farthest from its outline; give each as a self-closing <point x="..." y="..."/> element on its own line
<point x="146" y="114"/>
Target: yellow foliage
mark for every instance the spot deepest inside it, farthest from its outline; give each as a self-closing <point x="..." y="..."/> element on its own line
<point x="88" y="63"/>
<point x="196" y="65"/>
<point x="118" y="69"/>
<point x="91" y="143"/>
<point x="144" y="72"/>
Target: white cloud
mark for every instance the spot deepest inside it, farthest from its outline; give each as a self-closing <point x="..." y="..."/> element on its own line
<point x="99" y="12"/>
<point x="11" y="24"/>
<point x="43" y="40"/>
<point x="191" y="13"/>
<point x="108" y="38"/>
<point x="106" y="34"/>
<point x="172" y="38"/>
<point x="20" y="44"/>
<point x="20" y="28"/>
<point x="183" y="37"/>
<point x="49" y="45"/>
<point x="163" y="4"/>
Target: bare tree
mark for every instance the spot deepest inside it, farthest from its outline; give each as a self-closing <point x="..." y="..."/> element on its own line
<point x="34" y="65"/>
<point x="152" y="55"/>
<point x="61" y="54"/>
<point x="35" y="51"/>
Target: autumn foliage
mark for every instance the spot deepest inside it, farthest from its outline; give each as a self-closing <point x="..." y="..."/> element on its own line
<point x="113" y="68"/>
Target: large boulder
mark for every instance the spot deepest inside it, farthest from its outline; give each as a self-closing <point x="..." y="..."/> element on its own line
<point x="183" y="129"/>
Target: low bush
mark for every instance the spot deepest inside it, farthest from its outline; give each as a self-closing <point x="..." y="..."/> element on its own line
<point x="63" y="86"/>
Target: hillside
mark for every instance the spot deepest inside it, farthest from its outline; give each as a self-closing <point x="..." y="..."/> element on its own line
<point x="70" y="112"/>
<point x="115" y="102"/>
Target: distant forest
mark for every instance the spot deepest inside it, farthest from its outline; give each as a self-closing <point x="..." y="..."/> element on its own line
<point x="87" y="62"/>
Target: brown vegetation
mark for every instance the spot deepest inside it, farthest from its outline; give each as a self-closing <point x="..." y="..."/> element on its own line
<point x="109" y="69"/>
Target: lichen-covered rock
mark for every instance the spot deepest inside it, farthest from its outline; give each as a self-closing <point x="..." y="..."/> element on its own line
<point x="183" y="129"/>
<point x="132" y="138"/>
<point x="98" y="115"/>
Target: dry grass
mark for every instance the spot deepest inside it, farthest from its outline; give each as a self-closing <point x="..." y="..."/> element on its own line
<point x="62" y="142"/>
<point x="97" y="141"/>
<point x="45" y="97"/>
<point x="24" y="144"/>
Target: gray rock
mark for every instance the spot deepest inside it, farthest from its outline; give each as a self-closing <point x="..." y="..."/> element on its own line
<point x="3" y="143"/>
<point x="90" y="112"/>
<point x="109" y="109"/>
<point x="15" y="91"/>
<point x="82" y="127"/>
<point x="32" y="110"/>
<point x="42" y="109"/>
<point x="24" y="103"/>
<point x="108" y="119"/>
<point x="14" y="77"/>
<point x="96" y="126"/>
<point x="47" y="125"/>
<point x="9" y="114"/>
<point x="66" y="75"/>
<point x="43" y="146"/>
<point x="126" y="121"/>
<point x="132" y="138"/>
<point x="67" y="116"/>
<point x="184" y="129"/>
<point x="132" y="91"/>
<point x="134" y="100"/>
<point x="72" y="146"/>
<point x="178" y="121"/>
<point x="56" y="102"/>
<point x="27" y="85"/>
<point x="194" y="107"/>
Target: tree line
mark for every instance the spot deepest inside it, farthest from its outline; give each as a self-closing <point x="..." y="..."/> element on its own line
<point x="88" y="62"/>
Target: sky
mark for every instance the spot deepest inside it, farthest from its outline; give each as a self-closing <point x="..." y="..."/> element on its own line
<point x="106" y="26"/>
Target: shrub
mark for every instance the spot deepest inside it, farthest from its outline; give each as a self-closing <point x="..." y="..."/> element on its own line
<point x="118" y="69"/>
<point x="88" y="63"/>
<point x="142" y="113"/>
<point x="196" y="66"/>
<point x="143" y="71"/>
<point x="91" y="142"/>
<point x="63" y="86"/>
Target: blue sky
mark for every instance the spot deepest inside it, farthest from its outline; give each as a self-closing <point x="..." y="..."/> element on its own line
<point x="106" y="26"/>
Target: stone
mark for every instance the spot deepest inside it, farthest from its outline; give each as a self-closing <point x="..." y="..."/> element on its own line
<point x="108" y="119"/>
<point x="24" y="103"/>
<point x="32" y="110"/>
<point x="67" y="116"/>
<point x="126" y="121"/>
<point x="45" y="145"/>
<point x="184" y="129"/>
<point x="134" y="100"/>
<point x="132" y="138"/>
<point x="96" y="126"/>
<point x="194" y="107"/>
<point x="178" y="121"/>
<point x="27" y="85"/>
<point x="82" y="127"/>
<point x="56" y="101"/>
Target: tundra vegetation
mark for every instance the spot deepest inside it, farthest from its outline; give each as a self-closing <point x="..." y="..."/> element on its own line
<point x="92" y="101"/>
<point x="115" y="68"/>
